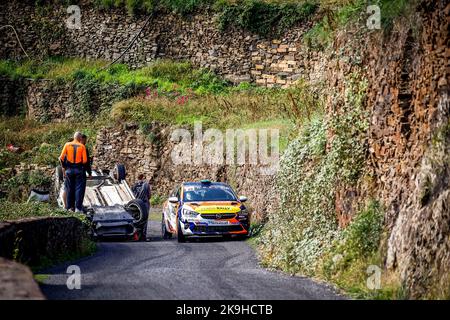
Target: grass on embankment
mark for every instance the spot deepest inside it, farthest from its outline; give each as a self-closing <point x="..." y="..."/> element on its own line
<point x="14" y="210"/>
<point x="170" y="92"/>
<point x="40" y="143"/>
<point x="164" y="75"/>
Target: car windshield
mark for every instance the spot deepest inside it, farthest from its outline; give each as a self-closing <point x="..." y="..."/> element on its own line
<point x="208" y="193"/>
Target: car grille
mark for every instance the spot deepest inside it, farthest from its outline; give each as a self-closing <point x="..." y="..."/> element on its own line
<point x="217" y="228"/>
<point x="218" y="215"/>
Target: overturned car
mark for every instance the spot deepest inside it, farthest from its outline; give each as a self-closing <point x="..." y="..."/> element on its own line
<point x="109" y="205"/>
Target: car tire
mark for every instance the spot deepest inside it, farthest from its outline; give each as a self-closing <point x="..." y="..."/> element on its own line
<point x="226" y="237"/>
<point x="120" y="172"/>
<point x="138" y="211"/>
<point x="165" y="234"/>
<point x="242" y="237"/>
<point x="180" y="236"/>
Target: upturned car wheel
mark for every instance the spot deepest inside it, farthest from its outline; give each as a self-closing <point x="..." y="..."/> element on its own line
<point x="139" y="212"/>
<point x="120" y="172"/>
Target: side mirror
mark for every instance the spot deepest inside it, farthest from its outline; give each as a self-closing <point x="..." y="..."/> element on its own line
<point x="242" y="198"/>
<point x="173" y="199"/>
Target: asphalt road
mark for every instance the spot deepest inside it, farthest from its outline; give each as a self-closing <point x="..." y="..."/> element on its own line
<point x="165" y="269"/>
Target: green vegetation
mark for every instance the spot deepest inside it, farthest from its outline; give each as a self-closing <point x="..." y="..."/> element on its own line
<point x="337" y="14"/>
<point x="169" y="92"/>
<point x="39" y="143"/>
<point x="147" y="6"/>
<point x="347" y="261"/>
<point x="311" y="169"/>
<point x="256" y="108"/>
<point x="263" y="17"/>
<point x="267" y="17"/>
<point x="10" y="210"/>
<point x="162" y="74"/>
<point x="156" y="200"/>
<point x="17" y="187"/>
<point x="259" y="16"/>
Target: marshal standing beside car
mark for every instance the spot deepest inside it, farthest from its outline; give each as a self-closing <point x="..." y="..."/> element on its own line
<point x="73" y="158"/>
<point x="141" y="190"/>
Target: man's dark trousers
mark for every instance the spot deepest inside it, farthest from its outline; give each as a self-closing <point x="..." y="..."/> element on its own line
<point x="74" y="185"/>
<point x="83" y="188"/>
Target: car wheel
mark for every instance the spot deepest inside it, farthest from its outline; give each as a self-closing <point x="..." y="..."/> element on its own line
<point x="242" y="237"/>
<point x="226" y="237"/>
<point x="138" y="211"/>
<point x="165" y="234"/>
<point x="120" y="172"/>
<point x="180" y="236"/>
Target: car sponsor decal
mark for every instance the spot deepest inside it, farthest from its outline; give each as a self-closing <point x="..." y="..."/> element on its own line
<point x="217" y="209"/>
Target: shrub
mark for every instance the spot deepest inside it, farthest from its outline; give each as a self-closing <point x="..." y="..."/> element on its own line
<point x="90" y="76"/>
<point x="228" y="110"/>
<point x="147" y="6"/>
<point x="14" y="210"/>
<point x="356" y="248"/>
<point x="312" y="166"/>
<point x="263" y="17"/>
<point x="40" y="143"/>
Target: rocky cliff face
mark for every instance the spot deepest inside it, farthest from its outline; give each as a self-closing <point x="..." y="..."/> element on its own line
<point x="409" y="144"/>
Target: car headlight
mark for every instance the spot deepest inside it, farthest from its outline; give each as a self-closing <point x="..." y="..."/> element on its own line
<point x="189" y="213"/>
<point x="243" y="214"/>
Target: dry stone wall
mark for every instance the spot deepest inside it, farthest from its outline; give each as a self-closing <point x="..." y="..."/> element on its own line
<point x="235" y="54"/>
<point x="49" y="100"/>
<point x="12" y="97"/>
<point x="32" y="240"/>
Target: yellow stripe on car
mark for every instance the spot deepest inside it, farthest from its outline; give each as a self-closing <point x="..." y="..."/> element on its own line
<point x="217" y="209"/>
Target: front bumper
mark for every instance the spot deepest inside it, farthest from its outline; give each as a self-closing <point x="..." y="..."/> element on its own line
<point x="113" y="230"/>
<point x="205" y="227"/>
<point x="111" y="222"/>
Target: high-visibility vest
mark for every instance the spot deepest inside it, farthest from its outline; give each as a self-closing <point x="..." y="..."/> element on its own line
<point x="74" y="153"/>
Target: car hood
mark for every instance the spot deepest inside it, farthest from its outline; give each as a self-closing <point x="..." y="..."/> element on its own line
<point x="213" y="207"/>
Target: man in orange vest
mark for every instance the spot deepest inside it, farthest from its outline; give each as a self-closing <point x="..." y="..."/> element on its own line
<point x="73" y="158"/>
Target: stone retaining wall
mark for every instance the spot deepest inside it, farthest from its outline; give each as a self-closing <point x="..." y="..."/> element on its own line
<point x="34" y="240"/>
<point x="235" y="54"/>
<point x="48" y="100"/>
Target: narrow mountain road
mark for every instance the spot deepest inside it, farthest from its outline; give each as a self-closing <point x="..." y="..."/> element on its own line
<point x="165" y="269"/>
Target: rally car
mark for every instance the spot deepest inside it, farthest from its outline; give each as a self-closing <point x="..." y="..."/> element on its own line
<point x="205" y="208"/>
<point x="109" y="204"/>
